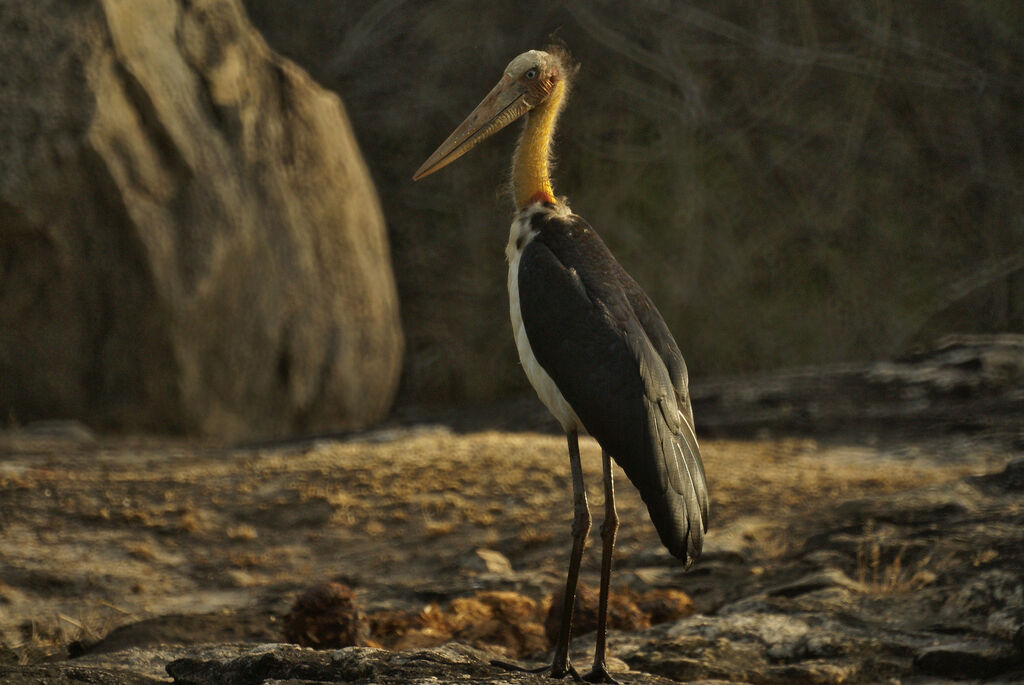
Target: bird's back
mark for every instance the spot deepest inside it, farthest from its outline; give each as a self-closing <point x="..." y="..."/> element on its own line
<point x="607" y="349"/>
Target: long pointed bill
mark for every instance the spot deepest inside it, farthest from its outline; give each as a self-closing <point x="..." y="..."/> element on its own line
<point x="504" y="104"/>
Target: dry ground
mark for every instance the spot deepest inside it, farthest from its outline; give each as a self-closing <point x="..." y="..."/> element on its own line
<point x="96" y="534"/>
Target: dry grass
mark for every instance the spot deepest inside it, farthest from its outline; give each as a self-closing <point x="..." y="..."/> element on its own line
<point x="883" y="572"/>
<point x="49" y="634"/>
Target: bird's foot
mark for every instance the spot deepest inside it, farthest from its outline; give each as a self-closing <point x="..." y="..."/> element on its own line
<point x="554" y="670"/>
<point x="600" y="674"/>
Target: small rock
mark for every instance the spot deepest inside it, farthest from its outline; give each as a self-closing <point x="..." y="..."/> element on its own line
<point x="829" y="577"/>
<point x="494" y="562"/>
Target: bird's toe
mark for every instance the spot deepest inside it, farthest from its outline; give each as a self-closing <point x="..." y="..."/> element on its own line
<point x="600" y="674"/>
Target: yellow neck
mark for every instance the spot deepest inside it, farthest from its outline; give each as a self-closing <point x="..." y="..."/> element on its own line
<point x="530" y="180"/>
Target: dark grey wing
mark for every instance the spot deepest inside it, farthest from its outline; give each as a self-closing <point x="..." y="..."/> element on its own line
<point x="580" y="348"/>
<point x="583" y="332"/>
<point x="662" y="341"/>
<point x="671" y="418"/>
<point x="665" y="346"/>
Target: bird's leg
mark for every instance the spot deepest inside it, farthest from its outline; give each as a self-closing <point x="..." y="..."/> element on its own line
<point x="560" y="666"/>
<point x="599" y="674"/>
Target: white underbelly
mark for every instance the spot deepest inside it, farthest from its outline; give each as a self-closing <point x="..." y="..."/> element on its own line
<point x="545" y="386"/>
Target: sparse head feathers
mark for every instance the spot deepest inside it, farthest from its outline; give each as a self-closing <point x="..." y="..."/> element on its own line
<point x="531" y="59"/>
<point x="538" y="71"/>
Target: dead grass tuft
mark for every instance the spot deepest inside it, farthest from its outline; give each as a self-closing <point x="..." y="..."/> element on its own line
<point x="885" y="572"/>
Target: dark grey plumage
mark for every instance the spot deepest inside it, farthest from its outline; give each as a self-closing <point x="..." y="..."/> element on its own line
<point x="607" y="348"/>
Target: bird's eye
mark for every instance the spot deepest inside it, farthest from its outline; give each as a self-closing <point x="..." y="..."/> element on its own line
<point x="531" y="74"/>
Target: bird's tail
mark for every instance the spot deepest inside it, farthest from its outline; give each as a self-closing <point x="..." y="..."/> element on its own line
<point x="677" y="498"/>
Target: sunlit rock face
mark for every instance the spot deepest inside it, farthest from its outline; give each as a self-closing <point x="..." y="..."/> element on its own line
<point x="189" y="238"/>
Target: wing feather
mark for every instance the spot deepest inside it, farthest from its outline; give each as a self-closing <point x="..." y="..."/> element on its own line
<point x="579" y="309"/>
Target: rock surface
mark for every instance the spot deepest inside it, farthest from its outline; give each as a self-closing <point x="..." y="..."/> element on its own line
<point x="962" y="383"/>
<point x="190" y="238"/>
<point x="827" y="564"/>
<point x="450" y="663"/>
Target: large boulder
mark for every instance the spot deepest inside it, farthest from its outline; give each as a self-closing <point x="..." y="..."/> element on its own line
<point x="189" y="238"/>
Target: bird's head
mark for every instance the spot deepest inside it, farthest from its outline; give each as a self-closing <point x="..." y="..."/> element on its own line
<point x="527" y="82"/>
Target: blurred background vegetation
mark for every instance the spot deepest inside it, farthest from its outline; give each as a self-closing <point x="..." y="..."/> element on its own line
<point x="793" y="183"/>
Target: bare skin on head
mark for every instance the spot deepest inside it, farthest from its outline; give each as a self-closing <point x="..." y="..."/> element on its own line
<point x="534" y="82"/>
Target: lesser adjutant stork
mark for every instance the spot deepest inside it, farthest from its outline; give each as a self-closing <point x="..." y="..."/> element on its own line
<point x="593" y="345"/>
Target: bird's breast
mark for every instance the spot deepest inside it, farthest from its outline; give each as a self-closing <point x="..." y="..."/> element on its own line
<point x="520" y="235"/>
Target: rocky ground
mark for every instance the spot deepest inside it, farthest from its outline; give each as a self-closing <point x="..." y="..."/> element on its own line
<point x="854" y="556"/>
<point x="826" y="562"/>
